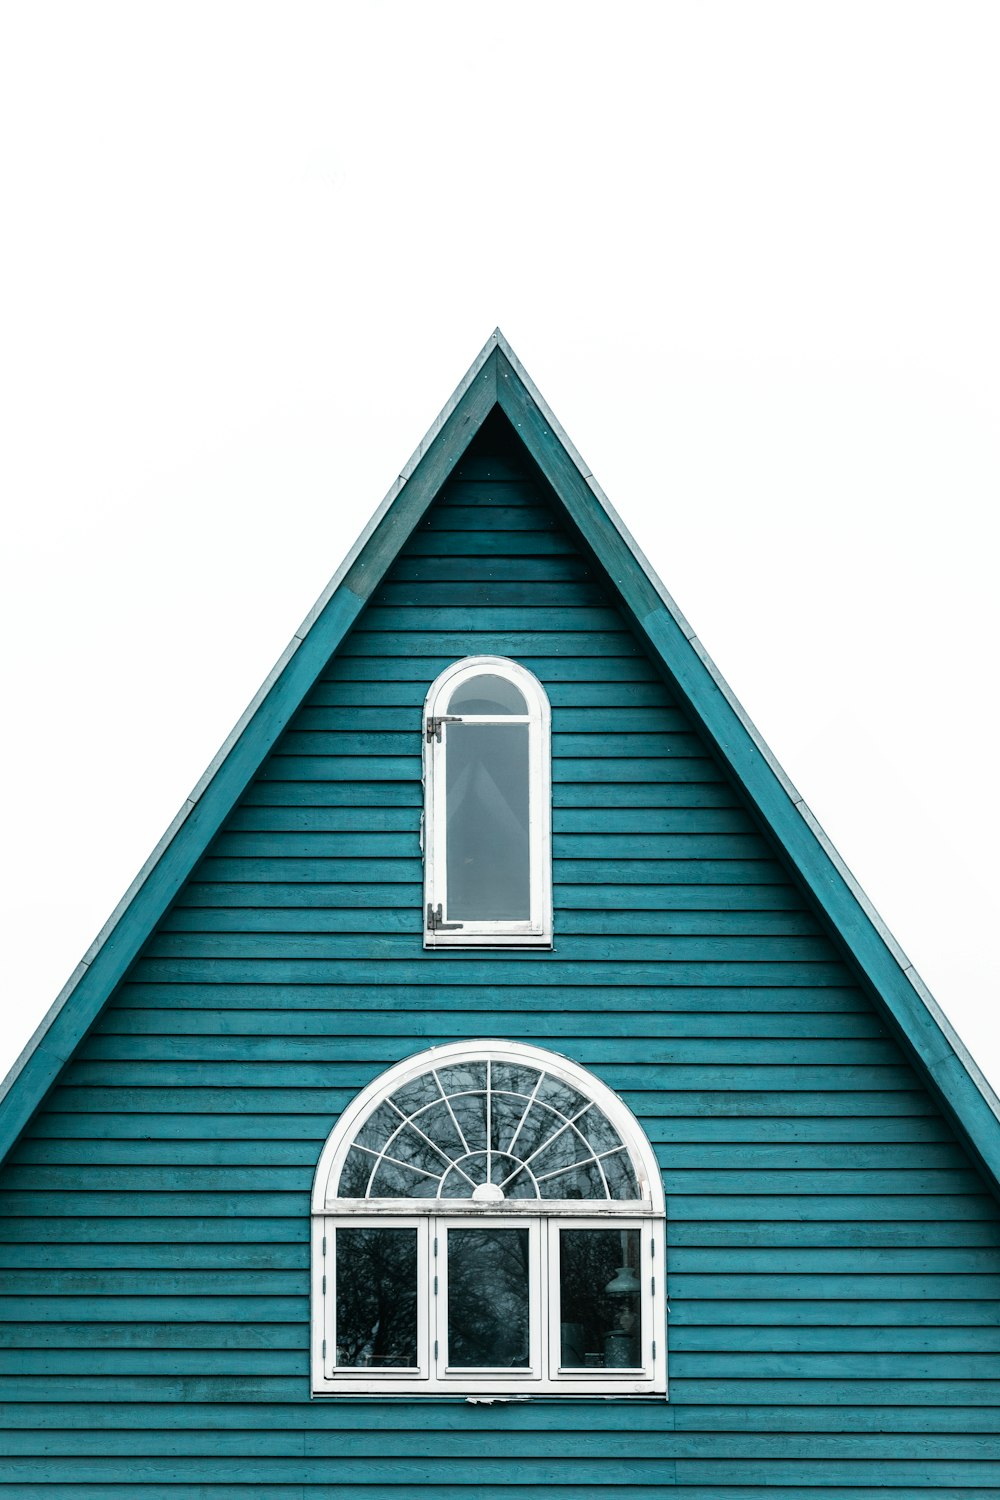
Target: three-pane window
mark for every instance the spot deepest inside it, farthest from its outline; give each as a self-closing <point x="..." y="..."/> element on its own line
<point x="525" y="1303"/>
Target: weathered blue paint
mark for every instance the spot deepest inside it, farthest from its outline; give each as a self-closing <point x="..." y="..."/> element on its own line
<point x="833" y="1234"/>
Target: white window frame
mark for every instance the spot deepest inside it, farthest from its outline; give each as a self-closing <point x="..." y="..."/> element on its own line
<point x="328" y="1252"/>
<point x="433" y="1218"/>
<point x="472" y="1379"/>
<point x="439" y="930"/>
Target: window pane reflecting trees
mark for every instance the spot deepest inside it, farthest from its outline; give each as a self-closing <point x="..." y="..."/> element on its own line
<point x="376" y="1314"/>
<point x="600" y="1324"/>
<point x="488" y="1299"/>
<point x="511" y="1130"/>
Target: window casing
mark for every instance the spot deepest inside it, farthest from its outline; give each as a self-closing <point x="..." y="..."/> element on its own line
<point x="474" y="1278"/>
<point x="487" y="807"/>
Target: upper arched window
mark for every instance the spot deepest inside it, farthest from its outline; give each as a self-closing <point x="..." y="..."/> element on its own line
<point x="487" y="837"/>
<point x="488" y="1217"/>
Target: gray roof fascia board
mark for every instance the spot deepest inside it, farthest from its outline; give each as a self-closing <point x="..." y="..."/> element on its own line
<point x="142" y="906"/>
<point x="918" y="1020"/>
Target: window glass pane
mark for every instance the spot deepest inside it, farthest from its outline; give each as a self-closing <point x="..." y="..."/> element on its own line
<point x="538" y="1126"/>
<point x="564" y="1149"/>
<point x="437" y="1122"/>
<point x="393" y="1180"/>
<point x="600" y="1304"/>
<point x="415" y="1094"/>
<point x="621" y="1177"/>
<point x="470" y="1117"/>
<point x="599" y="1131"/>
<point x="459" y="1078"/>
<point x="376" y="1280"/>
<point x="487" y="834"/>
<point x="463" y="1178"/>
<point x="378" y="1127"/>
<point x="562" y="1096"/>
<point x="513" y="1078"/>
<point x="411" y="1147"/>
<point x="583" y="1181"/>
<point x="356" y="1172"/>
<point x="506" y="1113"/>
<point x="488" y="1320"/>
<point x="514" y="1179"/>
<point x="487" y="694"/>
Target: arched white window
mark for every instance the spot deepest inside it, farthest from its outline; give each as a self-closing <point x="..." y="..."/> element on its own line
<point x="488" y="1217"/>
<point x="488" y="813"/>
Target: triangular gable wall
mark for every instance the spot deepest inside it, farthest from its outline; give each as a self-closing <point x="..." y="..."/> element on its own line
<point x="497" y="380"/>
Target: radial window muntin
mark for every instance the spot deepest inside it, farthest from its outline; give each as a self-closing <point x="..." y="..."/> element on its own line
<point x="513" y="699"/>
<point x="436" y="1219"/>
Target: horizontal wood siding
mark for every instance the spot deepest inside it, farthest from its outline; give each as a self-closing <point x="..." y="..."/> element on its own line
<point x="833" y="1257"/>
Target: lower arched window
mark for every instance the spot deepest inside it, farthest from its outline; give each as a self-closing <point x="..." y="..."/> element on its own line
<point x="488" y="1219"/>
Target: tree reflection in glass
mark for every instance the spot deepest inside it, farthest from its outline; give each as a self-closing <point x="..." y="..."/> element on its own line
<point x="376" y="1298"/>
<point x="599" y="1299"/>
<point x="520" y="1129"/>
<point x="488" y="1316"/>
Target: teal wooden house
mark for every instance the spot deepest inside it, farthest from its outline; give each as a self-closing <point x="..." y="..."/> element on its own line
<point x="495" y="1084"/>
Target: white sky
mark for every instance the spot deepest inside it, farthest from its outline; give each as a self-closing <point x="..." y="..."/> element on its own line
<point x="749" y="254"/>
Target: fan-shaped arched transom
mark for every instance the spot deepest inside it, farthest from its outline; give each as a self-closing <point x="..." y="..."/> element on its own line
<point x="489" y="1123"/>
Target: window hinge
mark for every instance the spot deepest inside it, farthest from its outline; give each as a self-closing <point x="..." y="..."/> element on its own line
<point x="434" y="725"/>
<point x="435" y="1351"/>
<point x="652" y="1285"/>
<point x="324" y="1286"/>
<point x="324" y="1349"/>
<point x="324" y="1245"/>
<point x="435" y="1286"/>
<point x="435" y="1244"/>
<point x="436" y="922"/>
<point x="654" y="1348"/>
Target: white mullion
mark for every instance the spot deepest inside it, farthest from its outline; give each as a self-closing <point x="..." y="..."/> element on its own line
<point x="489" y="1119"/>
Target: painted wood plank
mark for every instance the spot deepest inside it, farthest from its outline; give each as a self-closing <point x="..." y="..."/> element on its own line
<point x="509" y="592"/>
<point x="594" y="993"/>
<point x="288" y="844"/>
<point x="638" y="1416"/>
<point x="600" y="643"/>
<point x="587" y="695"/>
<point x="603" y="1050"/>
<point x="531" y="1473"/>
<point x="305" y="946"/>
<point x="600" y="1442"/>
<point x="400" y="718"/>
<point x="350" y="1018"/>
<point x="655" y="872"/>
<point x="232" y="1104"/>
<point x="599" y="666"/>
<point x="568" y="566"/>
<point x="352" y="1075"/>
<point x="407" y="768"/>
<point x="668" y="900"/>
<point x="348" y="742"/>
